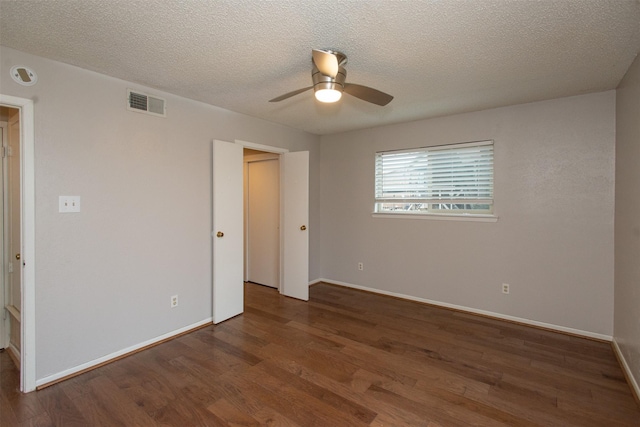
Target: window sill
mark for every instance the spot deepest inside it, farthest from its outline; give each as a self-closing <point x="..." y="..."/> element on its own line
<point x="439" y="217"/>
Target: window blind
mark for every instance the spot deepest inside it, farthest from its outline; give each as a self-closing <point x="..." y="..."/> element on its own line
<point x="460" y="174"/>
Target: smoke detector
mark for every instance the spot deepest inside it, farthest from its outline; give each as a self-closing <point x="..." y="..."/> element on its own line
<point x="24" y="75"/>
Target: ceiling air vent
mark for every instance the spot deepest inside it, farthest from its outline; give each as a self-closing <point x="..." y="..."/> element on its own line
<point x="144" y="103"/>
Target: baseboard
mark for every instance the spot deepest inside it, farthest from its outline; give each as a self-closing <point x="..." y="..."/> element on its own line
<point x="520" y="320"/>
<point x="76" y="370"/>
<point x="631" y="380"/>
<point x="14" y="354"/>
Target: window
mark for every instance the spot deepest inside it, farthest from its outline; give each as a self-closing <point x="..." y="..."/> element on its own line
<point x="449" y="179"/>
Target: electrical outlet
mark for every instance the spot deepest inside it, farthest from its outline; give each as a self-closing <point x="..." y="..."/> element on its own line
<point x="174" y="301"/>
<point x="505" y="288"/>
<point x="360" y="266"/>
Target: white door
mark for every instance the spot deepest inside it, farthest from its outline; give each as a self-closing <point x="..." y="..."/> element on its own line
<point x="295" y="184"/>
<point x="14" y="211"/>
<point x="227" y="234"/>
<point x="263" y="218"/>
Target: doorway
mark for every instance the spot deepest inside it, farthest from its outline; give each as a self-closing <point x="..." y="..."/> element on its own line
<point x="262" y="217"/>
<point x="228" y="237"/>
<point x="18" y="240"/>
<point x="11" y="218"/>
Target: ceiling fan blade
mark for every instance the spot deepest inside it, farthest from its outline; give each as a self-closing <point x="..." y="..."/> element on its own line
<point x="368" y="94"/>
<point x="327" y="63"/>
<point x="290" y="94"/>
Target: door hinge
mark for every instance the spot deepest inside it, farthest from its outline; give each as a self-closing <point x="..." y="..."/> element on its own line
<point x="5" y="152"/>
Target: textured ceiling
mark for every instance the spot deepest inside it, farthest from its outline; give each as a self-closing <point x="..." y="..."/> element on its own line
<point x="435" y="57"/>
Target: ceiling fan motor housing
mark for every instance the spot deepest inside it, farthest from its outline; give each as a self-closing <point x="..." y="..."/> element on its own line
<point x="320" y="81"/>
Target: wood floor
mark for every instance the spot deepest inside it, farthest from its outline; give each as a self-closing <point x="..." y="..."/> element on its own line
<point x="346" y="358"/>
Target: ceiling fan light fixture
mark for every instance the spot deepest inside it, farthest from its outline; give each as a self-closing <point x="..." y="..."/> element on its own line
<point x="328" y="95"/>
<point x="329" y="75"/>
<point x="327" y="89"/>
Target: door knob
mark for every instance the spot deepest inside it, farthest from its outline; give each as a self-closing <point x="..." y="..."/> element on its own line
<point x="17" y="256"/>
<point x="220" y="234"/>
<point x="304" y="227"/>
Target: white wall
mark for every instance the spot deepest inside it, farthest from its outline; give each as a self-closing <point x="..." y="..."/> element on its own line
<point x="554" y="196"/>
<point x="627" y="220"/>
<point x="104" y="276"/>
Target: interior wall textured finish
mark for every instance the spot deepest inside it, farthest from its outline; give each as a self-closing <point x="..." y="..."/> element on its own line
<point x="104" y="276"/>
<point x="554" y="196"/>
<point x="627" y="219"/>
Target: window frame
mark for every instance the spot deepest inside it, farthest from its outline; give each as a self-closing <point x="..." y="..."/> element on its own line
<point x="427" y="183"/>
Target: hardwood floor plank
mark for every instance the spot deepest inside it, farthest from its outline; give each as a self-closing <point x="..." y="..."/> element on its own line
<point x="7" y="417"/>
<point x="403" y="369"/>
<point x="353" y="391"/>
<point x="25" y="407"/>
<point x="319" y="412"/>
<point x="612" y="382"/>
<point x="142" y="385"/>
<point x="232" y="415"/>
<point x="16" y="407"/>
<point x="449" y="407"/>
<point x="40" y="420"/>
<point x="209" y="338"/>
<point x="333" y="367"/>
<point x="325" y="395"/>
<point x="603" y="416"/>
<point x="116" y="402"/>
<point x="244" y="400"/>
<point x="183" y="412"/>
<point x="386" y="420"/>
<point x="345" y="358"/>
<point x="430" y="414"/>
<point x="61" y="409"/>
<point x="269" y="417"/>
<point x="534" y="415"/>
<point x="290" y="406"/>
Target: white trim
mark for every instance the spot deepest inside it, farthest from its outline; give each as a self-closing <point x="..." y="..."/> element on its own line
<point x="447" y="146"/>
<point x="115" y="355"/>
<point x="438" y="217"/>
<point x="4" y="276"/>
<point x="252" y="158"/>
<point x="28" y="329"/>
<point x="261" y="147"/>
<point x="572" y="331"/>
<point x="633" y="382"/>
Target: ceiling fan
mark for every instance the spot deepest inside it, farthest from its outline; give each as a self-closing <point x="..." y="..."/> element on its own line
<point x="329" y="75"/>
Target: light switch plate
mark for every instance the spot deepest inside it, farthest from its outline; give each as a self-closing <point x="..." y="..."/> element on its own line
<point x="69" y="204"/>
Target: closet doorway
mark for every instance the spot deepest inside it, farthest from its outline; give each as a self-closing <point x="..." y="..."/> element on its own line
<point x="262" y="217"/>
<point x="228" y="234"/>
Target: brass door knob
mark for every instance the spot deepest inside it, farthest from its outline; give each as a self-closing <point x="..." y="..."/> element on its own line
<point x="220" y="234"/>
<point x="304" y="227"/>
<point x="17" y="256"/>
